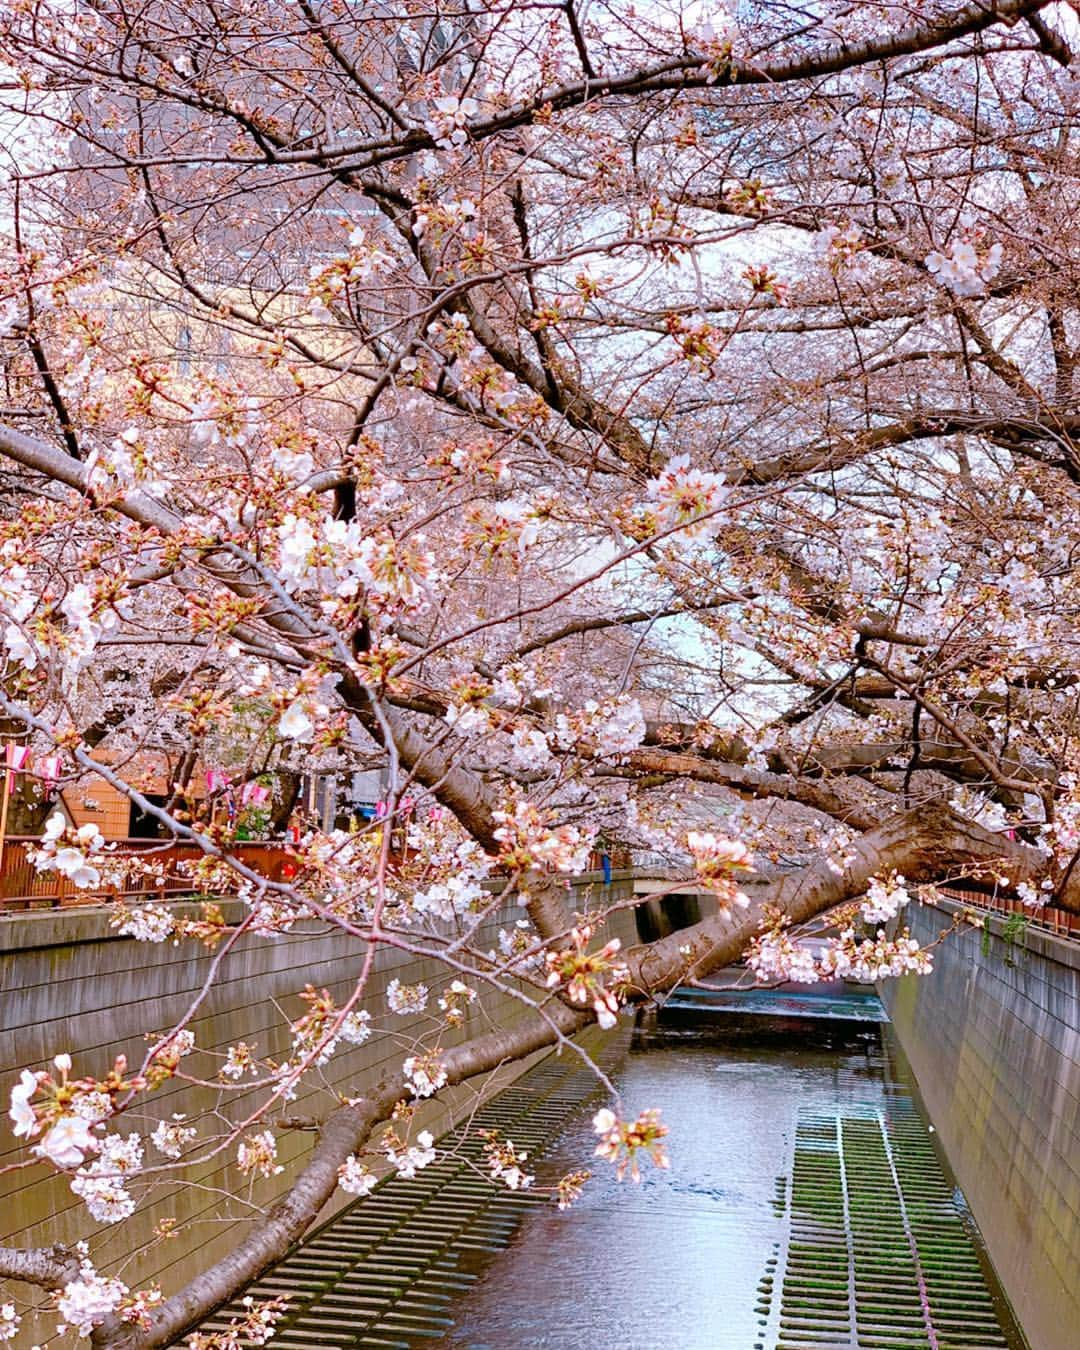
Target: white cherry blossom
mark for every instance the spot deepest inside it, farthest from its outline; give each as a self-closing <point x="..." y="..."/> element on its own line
<point x="67" y="1142"/>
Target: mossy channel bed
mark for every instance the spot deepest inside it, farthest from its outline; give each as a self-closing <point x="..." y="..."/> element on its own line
<point x="865" y="1244"/>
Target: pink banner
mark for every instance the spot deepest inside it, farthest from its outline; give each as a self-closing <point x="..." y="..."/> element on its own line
<point x="17" y="757"/>
<point x="48" y="767"/>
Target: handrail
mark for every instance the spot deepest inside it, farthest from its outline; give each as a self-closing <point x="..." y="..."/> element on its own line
<point x="23" y="887"/>
<point x="1060" y="922"/>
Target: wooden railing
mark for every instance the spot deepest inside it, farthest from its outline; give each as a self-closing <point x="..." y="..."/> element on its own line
<point x="22" y="887"/>
<point x="1059" y="921"/>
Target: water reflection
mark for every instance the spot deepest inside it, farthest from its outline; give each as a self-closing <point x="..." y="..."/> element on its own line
<point x="677" y="1260"/>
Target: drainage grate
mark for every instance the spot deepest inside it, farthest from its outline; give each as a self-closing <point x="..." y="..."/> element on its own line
<point x="878" y="1254"/>
<point x="385" y="1272"/>
<point x="874" y="1252"/>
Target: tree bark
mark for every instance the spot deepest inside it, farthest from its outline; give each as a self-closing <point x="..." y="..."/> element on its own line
<point x="345" y="1131"/>
<point x="47" y="1267"/>
<point x="921" y="844"/>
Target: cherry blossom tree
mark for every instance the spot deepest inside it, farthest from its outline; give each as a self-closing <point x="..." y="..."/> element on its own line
<point x="575" y="411"/>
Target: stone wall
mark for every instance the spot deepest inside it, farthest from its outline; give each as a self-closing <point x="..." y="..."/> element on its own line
<point x="69" y="983"/>
<point x="993" y="1039"/>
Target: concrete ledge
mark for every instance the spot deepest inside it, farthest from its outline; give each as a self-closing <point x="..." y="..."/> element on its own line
<point x="25" y="930"/>
<point x="993" y="1038"/>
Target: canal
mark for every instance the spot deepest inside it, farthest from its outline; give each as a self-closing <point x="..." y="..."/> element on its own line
<point x="806" y="1207"/>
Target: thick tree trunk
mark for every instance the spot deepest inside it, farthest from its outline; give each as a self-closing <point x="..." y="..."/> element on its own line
<point x="285" y="798"/>
<point x="346" y="1130"/>
<point x="923" y="845"/>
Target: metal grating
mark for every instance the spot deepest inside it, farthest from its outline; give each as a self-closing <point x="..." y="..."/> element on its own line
<point x="385" y="1272"/>
<point x="878" y="1253"/>
<point x="875" y="1249"/>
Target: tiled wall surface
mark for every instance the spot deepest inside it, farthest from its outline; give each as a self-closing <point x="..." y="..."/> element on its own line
<point x="68" y="983"/>
<point x="994" y="1041"/>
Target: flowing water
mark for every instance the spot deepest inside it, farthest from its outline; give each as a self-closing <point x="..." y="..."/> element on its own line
<point x="696" y="1257"/>
<point x="805" y="1208"/>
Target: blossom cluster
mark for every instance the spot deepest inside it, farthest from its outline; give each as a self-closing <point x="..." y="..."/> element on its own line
<point x="255" y="1326"/>
<point x="424" y="1074"/>
<point x="843" y="249"/>
<point x="239" y="1060"/>
<point x="67" y="1111"/>
<point x="407" y="1160"/>
<point x="872" y="959"/>
<point x="504" y="1161"/>
<point x="167" y="1054"/>
<point x="718" y="863"/>
<point x="775" y="955"/>
<point x="86" y="621"/>
<point x="454" y="872"/>
<point x="569" y="1187"/>
<point x="454" y="1002"/>
<point x="530" y="841"/>
<point x="146" y="923"/>
<point x="9" y="1322"/>
<point x="406" y="999"/>
<point x="355" y="1177"/>
<point x="87" y="1302"/>
<point x="71" y="852"/>
<point x="101" y="1183"/>
<point x="686" y="498"/>
<point x="624" y="1142"/>
<point x="450" y="119"/>
<point x="589" y="977"/>
<point x="340" y="558"/>
<point x="518" y="945"/>
<point x="320" y="1029"/>
<point x="610" y="728"/>
<point x="257" y="1155"/>
<point x="963" y="270"/>
<point x="17" y="603"/>
<point x="884" y="899"/>
<point x="171" y="1137"/>
<point x="1035" y="897"/>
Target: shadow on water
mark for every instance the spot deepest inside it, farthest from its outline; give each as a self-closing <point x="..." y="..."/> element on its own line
<point x="692" y="1258"/>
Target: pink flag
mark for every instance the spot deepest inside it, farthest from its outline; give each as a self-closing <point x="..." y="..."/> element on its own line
<point x="254" y="794"/>
<point x="17" y="758"/>
<point x="48" y="767"/>
<point x="216" y="779"/>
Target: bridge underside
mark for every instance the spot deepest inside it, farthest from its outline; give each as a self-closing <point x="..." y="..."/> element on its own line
<point x="846" y="1003"/>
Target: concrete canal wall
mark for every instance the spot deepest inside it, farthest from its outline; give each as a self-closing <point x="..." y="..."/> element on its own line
<point x="993" y="1038"/>
<point x="69" y="983"/>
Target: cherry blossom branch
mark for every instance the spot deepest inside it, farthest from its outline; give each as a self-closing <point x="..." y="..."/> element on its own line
<point x="47" y="1267"/>
<point x="341" y="1135"/>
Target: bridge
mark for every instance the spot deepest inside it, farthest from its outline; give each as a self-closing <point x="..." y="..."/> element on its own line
<point x="732" y="993"/>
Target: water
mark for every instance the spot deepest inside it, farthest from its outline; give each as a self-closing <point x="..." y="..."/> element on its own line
<point x="805" y="1208"/>
<point x="678" y="1261"/>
